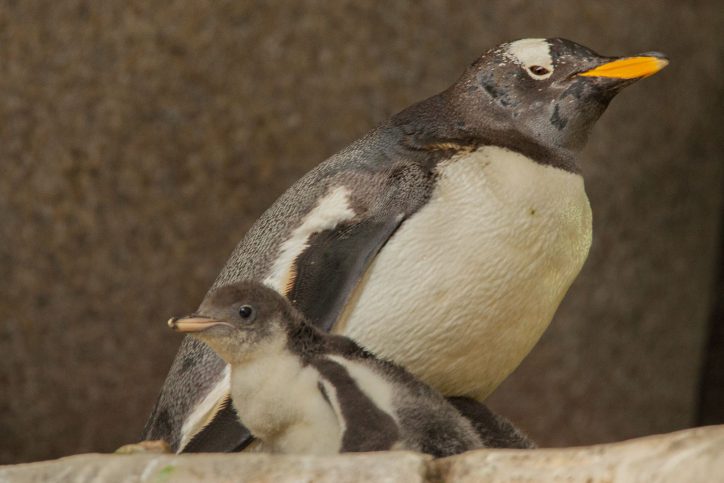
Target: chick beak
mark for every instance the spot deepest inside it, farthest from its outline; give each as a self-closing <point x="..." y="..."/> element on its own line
<point x="194" y="323"/>
<point x="624" y="68"/>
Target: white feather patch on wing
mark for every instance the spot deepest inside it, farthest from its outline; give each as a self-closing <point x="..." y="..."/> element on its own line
<point x="372" y="384"/>
<point x="330" y="211"/>
<point x="205" y="411"/>
<point x="331" y="392"/>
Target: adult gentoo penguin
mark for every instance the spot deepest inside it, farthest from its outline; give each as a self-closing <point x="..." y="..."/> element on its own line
<point x="443" y="240"/>
<point x="328" y="395"/>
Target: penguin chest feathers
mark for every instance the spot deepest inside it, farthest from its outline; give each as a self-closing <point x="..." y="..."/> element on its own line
<point x="467" y="285"/>
<point x="278" y="399"/>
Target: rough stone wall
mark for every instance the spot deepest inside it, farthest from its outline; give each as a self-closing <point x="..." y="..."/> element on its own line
<point x="139" y="140"/>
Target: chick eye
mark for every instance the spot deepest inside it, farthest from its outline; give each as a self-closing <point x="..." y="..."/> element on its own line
<point x="246" y="311"/>
<point x="538" y="70"/>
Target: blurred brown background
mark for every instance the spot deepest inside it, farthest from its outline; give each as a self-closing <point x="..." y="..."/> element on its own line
<point x="139" y="140"/>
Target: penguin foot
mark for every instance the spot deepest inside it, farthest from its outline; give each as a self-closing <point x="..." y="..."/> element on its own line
<point x="158" y="446"/>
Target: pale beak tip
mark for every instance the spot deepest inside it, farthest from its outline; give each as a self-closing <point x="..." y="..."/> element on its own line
<point x="660" y="59"/>
<point x="172" y="322"/>
<point x="663" y="62"/>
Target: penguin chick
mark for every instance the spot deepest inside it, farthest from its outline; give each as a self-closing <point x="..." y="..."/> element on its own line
<point x="300" y="390"/>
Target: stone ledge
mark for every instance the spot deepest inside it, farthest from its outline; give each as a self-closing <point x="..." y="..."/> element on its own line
<point x="690" y="455"/>
<point x="693" y="455"/>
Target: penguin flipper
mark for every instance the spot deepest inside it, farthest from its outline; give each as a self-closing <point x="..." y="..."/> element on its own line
<point x="334" y="260"/>
<point x="330" y="268"/>
<point x="223" y="433"/>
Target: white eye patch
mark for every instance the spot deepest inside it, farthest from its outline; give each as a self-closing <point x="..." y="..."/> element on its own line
<point x="534" y="55"/>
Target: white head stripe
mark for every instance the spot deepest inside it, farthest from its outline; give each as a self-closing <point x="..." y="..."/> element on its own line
<point x="528" y="52"/>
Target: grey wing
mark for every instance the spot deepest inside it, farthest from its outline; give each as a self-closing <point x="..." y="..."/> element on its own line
<point x="366" y="426"/>
<point x="321" y="279"/>
<point x="328" y="271"/>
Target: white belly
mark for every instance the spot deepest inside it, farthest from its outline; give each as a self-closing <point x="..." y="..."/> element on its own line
<point x="465" y="288"/>
<point x="280" y="402"/>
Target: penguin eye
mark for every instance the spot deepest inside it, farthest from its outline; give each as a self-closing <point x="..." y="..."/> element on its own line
<point x="538" y="70"/>
<point x="246" y="312"/>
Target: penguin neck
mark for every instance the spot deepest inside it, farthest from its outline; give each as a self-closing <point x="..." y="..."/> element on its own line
<point x="253" y="370"/>
<point x="305" y="340"/>
<point x="452" y="118"/>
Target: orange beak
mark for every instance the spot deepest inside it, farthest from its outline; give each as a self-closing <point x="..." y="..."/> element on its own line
<point x="629" y="67"/>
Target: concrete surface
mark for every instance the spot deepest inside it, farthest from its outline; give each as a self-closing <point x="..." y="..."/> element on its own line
<point x="693" y="455"/>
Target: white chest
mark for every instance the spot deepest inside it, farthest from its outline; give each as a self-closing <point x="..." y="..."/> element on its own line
<point x="465" y="288"/>
<point x="280" y="402"/>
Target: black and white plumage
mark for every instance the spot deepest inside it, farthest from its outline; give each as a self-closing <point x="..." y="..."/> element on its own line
<point x="300" y="390"/>
<point x="443" y="240"/>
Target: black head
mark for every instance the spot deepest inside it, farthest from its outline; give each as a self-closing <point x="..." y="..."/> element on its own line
<point x="540" y="97"/>
<point x="235" y="320"/>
